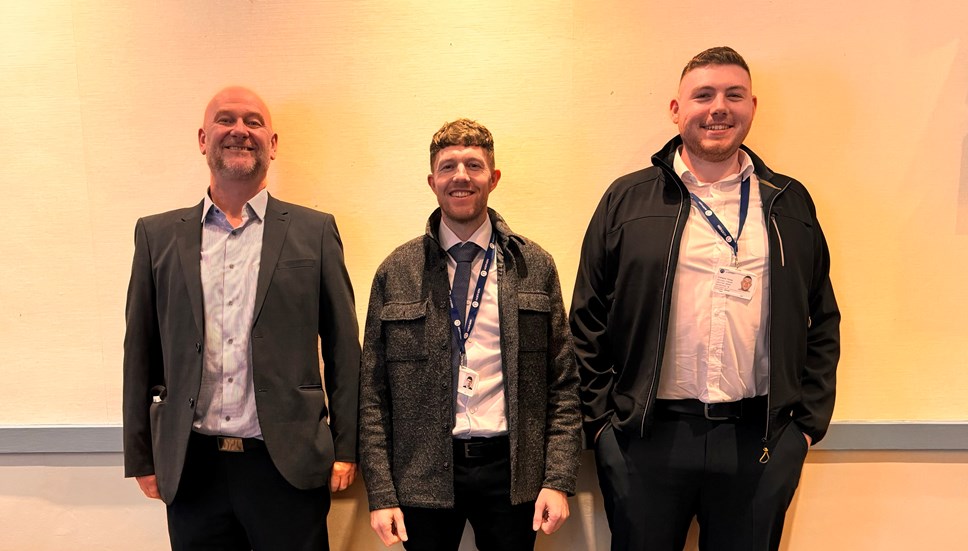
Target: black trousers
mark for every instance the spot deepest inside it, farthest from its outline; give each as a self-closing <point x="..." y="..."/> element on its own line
<point x="691" y="467"/>
<point x="229" y="501"/>
<point x="482" y="496"/>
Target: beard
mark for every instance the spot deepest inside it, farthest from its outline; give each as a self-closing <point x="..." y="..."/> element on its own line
<point x="257" y="166"/>
<point x="715" y="152"/>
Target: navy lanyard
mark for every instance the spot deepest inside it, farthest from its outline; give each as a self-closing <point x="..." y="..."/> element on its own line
<point x="475" y="300"/>
<point x="717" y="224"/>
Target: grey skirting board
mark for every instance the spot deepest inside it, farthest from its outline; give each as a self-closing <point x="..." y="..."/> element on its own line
<point x="842" y="436"/>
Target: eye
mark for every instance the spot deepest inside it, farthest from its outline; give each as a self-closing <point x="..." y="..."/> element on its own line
<point x="254" y="123"/>
<point x="223" y="120"/>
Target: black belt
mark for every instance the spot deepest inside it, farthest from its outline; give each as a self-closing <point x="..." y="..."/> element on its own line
<point x="482" y="448"/>
<point x="745" y="409"/>
<point x="229" y="443"/>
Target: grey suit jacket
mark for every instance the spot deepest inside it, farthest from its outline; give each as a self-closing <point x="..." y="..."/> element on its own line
<point x="303" y="297"/>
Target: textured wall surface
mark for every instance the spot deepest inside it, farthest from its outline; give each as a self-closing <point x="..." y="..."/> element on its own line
<point x="101" y="101"/>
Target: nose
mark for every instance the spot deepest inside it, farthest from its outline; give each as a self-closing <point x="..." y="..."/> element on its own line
<point x="461" y="172"/>
<point x="239" y="128"/>
<point x="719" y="104"/>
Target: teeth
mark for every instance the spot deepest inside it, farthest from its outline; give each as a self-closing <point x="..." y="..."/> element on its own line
<point x="460" y="194"/>
<point x="717" y="127"/>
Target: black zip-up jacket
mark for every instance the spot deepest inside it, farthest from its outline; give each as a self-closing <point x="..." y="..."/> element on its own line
<point x="623" y="294"/>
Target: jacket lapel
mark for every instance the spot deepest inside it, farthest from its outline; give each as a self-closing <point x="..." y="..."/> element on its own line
<point x="189" y="234"/>
<point x="273" y="236"/>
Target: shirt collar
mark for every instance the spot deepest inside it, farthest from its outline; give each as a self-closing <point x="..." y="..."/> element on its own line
<point x="481" y="236"/>
<point x="257" y="204"/>
<point x="745" y="170"/>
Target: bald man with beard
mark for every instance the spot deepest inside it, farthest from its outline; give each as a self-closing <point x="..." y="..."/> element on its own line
<point x="227" y="418"/>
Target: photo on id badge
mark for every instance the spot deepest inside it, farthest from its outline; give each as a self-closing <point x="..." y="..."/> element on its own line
<point x="468" y="380"/>
<point x="735" y="283"/>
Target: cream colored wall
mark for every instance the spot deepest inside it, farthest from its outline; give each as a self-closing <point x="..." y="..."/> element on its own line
<point x="101" y="101"/>
<point x="857" y="501"/>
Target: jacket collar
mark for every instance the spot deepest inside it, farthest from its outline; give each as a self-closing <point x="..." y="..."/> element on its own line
<point x="664" y="159"/>
<point x="503" y="232"/>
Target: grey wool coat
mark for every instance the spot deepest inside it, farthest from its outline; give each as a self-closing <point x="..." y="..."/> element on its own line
<point x="408" y="386"/>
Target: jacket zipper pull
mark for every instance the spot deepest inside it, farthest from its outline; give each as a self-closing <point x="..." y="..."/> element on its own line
<point x="765" y="458"/>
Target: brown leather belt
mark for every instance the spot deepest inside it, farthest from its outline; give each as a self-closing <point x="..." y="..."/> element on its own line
<point x="232" y="444"/>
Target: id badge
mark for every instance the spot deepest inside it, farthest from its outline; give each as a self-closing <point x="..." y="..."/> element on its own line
<point x="466" y="380"/>
<point x="735" y="283"/>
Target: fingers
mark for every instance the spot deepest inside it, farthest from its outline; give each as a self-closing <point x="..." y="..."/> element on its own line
<point x="550" y="511"/>
<point x="149" y="486"/>
<point x="554" y="520"/>
<point x="399" y="528"/>
<point x="388" y="525"/>
<point x="342" y="476"/>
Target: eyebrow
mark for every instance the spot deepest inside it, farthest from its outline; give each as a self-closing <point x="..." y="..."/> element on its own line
<point x="246" y="115"/>
<point x="706" y="88"/>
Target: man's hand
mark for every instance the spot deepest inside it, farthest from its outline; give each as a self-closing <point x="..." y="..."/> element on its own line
<point x="388" y="524"/>
<point x="342" y="475"/>
<point x="809" y="440"/>
<point x="149" y="486"/>
<point x="550" y="511"/>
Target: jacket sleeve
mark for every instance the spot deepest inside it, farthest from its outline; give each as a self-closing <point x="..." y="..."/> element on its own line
<point x="339" y="343"/>
<point x="376" y="436"/>
<point x="590" y="307"/>
<point x="818" y="382"/>
<point x="142" y="367"/>
<point x="563" y="430"/>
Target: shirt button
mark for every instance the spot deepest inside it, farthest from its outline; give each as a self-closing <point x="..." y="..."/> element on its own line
<point x="231" y="266"/>
<point x="446" y="465"/>
<point x="228" y="417"/>
<point x="231" y="379"/>
<point x="231" y="302"/>
<point x="230" y="341"/>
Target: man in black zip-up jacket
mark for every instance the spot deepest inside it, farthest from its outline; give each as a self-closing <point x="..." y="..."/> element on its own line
<point x="706" y="330"/>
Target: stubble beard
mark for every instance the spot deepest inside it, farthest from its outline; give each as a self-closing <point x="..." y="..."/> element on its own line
<point x="237" y="171"/>
<point x="712" y="153"/>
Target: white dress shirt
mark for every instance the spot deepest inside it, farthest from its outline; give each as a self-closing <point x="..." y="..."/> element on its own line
<point x="484" y="413"/>
<point x="716" y="348"/>
<point x="230" y="270"/>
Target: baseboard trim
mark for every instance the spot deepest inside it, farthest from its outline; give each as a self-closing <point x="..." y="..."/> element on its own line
<point x="843" y="435"/>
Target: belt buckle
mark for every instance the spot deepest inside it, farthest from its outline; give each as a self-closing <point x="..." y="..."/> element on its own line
<point x="230" y="444"/>
<point x="705" y="412"/>
<point x="469" y="450"/>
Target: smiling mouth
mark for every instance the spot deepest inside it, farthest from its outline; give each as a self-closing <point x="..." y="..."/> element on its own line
<point x="239" y="148"/>
<point x="461" y="193"/>
<point x="715" y="127"/>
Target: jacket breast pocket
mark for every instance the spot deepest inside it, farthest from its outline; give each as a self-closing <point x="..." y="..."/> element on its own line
<point x="295" y="263"/>
<point x="405" y="331"/>
<point x="534" y="311"/>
